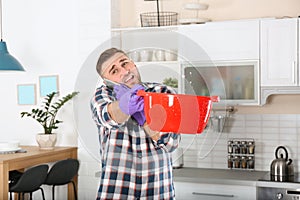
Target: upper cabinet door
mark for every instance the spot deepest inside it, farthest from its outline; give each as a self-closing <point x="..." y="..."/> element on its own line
<point x="279" y="52"/>
<point x="231" y="40"/>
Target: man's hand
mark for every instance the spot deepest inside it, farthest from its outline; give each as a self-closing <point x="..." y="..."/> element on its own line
<point x="140" y="117"/>
<point x="155" y="135"/>
<point x="120" y="90"/>
<point x="129" y="102"/>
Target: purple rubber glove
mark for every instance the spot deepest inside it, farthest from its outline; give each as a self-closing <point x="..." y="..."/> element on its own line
<point x="140" y="117"/>
<point x="120" y="90"/>
<point x="130" y="102"/>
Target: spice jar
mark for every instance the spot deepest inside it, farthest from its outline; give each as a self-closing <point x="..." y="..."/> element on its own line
<point x="243" y="147"/>
<point x="236" y="147"/>
<point x="236" y="162"/>
<point x="244" y="162"/>
<point x="250" y="162"/>
<point x="229" y="145"/>
<point x="251" y="147"/>
<point x="230" y="162"/>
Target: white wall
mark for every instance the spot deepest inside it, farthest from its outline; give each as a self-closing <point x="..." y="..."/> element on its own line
<point x="219" y="10"/>
<point x="43" y="41"/>
<point x="51" y="38"/>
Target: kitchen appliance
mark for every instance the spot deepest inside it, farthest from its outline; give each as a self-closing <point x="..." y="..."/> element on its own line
<point x="270" y="193"/>
<point x="177" y="113"/>
<point x="281" y="168"/>
<point x="275" y="184"/>
<point x="284" y="190"/>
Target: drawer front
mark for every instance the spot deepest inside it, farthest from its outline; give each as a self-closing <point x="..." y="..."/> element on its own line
<point x="197" y="191"/>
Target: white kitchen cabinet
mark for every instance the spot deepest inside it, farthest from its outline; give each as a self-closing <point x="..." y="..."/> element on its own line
<point x="271" y="45"/>
<point x="279" y="66"/>
<point x="160" y="71"/>
<point x="147" y="44"/>
<point x="229" y="40"/>
<point x="199" y="191"/>
<point x="235" y="82"/>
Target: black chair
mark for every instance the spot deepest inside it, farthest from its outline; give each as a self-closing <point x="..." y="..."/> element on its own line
<point x="61" y="173"/>
<point x="29" y="181"/>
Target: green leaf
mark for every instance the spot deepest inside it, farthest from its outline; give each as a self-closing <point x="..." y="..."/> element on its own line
<point x="47" y="115"/>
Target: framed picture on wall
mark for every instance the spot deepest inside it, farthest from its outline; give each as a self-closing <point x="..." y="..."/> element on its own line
<point x="48" y="84"/>
<point x="26" y="94"/>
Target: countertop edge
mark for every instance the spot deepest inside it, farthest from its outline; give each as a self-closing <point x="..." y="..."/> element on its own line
<point x="215" y="181"/>
<point x="228" y="177"/>
<point x="218" y="176"/>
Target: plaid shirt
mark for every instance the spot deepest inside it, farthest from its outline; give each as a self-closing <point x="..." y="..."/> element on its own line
<point x="133" y="165"/>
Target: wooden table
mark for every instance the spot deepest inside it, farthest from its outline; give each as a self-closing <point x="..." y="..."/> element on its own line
<point x="34" y="156"/>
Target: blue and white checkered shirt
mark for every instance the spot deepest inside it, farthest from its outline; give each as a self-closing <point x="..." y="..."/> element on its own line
<point x="133" y="165"/>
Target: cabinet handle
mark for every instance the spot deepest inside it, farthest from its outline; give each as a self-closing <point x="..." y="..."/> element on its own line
<point x="215" y="195"/>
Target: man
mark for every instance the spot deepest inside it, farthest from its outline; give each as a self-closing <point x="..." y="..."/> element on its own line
<point x="136" y="161"/>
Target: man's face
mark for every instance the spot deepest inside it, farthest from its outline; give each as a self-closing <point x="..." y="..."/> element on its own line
<point x="119" y="68"/>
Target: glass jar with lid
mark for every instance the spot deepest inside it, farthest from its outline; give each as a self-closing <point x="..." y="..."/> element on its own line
<point x="243" y="162"/>
<point x="230" y="146"/>
<point x="251" y="147"/>
<point x="236" y="147"/>
<point x="230" y="162"/>
<point x="250" y="162"/>
<point x="236" y="161"/>
<point x="243" y="147"/>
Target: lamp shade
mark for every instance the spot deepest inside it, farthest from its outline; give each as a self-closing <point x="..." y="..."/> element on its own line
<point x="8" y="62"/>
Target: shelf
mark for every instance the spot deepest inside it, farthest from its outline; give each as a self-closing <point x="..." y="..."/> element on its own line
<point x="156" y="62"/>
<point x="175" y="27"/>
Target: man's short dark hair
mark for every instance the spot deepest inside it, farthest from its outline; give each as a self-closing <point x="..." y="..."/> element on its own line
<point x="107" y="54"/>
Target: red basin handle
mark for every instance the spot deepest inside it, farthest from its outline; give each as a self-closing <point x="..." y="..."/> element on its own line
<point x="215" y="98"/>
<point x="141" y="93"/>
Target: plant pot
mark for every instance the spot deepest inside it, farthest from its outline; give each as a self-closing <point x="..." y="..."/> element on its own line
<point x="46" y="141"/>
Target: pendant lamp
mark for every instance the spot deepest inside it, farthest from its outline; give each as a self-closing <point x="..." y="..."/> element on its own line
<point x="7" y="61"/>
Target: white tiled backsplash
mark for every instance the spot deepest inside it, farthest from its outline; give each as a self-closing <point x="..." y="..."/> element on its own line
<point x="209" y="149"/>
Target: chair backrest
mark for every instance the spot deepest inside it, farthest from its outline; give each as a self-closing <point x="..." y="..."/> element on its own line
<point x="31" y="179"/>
<point x="62" y="172"/>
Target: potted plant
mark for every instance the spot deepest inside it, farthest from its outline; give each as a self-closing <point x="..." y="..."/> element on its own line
<point x="172" y="82"/>
<point x="46" y="116"/>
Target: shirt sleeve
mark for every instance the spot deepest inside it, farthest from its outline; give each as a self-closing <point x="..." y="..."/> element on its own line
<point x="99" y="106"/>
<point x="170" y="141"/>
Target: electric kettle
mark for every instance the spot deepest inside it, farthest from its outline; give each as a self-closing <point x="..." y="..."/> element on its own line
<point x="281" y="168"/>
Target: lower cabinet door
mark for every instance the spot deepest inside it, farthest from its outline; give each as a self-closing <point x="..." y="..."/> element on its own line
<point x="199" y="191"/>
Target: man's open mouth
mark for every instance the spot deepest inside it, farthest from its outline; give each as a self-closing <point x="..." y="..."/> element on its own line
<point x="128" y="78"/>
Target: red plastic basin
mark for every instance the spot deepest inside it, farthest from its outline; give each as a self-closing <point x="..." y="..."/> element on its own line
<point x="177" y="113"/>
